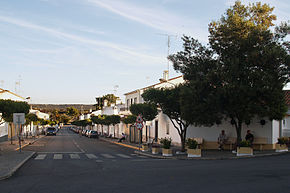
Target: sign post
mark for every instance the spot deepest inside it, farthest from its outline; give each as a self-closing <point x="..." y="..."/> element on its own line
<point x="19" y="119"/>
<point x="139" y="126"/>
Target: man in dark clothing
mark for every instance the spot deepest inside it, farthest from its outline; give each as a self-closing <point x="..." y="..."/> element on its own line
<point x="249" y="137"/>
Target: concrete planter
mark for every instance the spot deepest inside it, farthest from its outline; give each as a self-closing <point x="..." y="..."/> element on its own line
<point x="155" y="150"/>
<point x="281" y="148"/>
<point x="244" y="151"/>
<point x="144" y="148"/>
<point x="167" y="152"/>
<point x="193" y="152"/>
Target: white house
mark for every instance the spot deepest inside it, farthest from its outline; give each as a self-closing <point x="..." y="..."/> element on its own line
<point x="161" y="126"/>
<point x="4" y="131"/>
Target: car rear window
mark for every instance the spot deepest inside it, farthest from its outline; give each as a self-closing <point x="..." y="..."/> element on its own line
<point x="93" y="132"/>
<point x="51" y="129"/>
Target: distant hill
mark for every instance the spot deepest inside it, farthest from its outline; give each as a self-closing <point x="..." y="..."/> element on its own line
<point x="62" y="107"/>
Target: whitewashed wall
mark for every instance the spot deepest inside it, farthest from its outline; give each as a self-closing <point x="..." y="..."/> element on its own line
<point x="3" y="129"/>
<point x="211" y="133"/>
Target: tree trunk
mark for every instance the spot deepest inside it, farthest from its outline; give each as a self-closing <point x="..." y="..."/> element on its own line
<point x="182" y="143"/>
<point x="238" y="130"/>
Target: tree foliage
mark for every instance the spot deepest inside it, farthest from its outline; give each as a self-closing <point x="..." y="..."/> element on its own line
<point x="242" y="71"/>
<point x="31" y="118"/>
<point x="8" y="107"/>
<point x="148" y="111"/>
<point x="168" y="99"/>
<point x="130" y="119"/>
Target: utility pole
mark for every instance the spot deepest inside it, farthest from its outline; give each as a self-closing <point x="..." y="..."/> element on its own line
<point x="168" y="47"/>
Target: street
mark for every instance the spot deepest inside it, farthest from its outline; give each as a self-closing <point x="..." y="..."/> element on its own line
<point x="70" y="163"/>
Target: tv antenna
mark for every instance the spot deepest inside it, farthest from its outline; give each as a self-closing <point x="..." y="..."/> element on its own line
<point x="17" y="84"/>
<point x="115" y="89"/>
<point x="168" y="46"/>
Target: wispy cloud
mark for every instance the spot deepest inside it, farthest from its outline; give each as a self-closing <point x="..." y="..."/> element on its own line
<point x="156" y="18"/>
<point x="80" y="39"/>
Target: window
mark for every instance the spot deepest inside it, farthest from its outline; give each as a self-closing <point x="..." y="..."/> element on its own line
<point x="135" y="100"/>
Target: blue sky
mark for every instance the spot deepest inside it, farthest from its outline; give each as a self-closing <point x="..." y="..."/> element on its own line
<point x="70" y="51"/>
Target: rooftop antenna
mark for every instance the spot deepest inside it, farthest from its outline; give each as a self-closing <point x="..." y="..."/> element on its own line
<point x="17" y="84"/>
<point x="168" y="47"/>
<point x="115" y="89"/>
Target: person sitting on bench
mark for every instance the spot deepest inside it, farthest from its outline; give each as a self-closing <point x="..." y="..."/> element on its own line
<point x="122" y="138"/>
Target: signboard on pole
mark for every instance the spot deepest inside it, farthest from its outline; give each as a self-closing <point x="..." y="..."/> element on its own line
<point x="139" y="122"/>
<point x="18" y="118"/>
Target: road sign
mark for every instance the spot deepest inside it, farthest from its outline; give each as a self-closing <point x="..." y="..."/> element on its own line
<point x="18" y="118"/>
<point x="139" y="119"/>
<point x="139" y="126"/>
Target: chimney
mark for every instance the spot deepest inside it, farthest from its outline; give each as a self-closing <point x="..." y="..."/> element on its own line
<point x="165" y="75"/>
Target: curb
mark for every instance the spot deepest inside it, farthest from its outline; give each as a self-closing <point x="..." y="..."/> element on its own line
<point x="16" y="167"/>
<point x="121" y="144"/>
<point x="30" y="143"/>
<point x="204" y="158"/>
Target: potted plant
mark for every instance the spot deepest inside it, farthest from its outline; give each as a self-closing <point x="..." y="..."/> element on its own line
<point x="166" y="144"/>
<point x="281" y="145"/>
<point x="244" y="149"/>
<point x="192" y="148"/>
<point x="144" y="147"/>
<point x="155" y="148"/>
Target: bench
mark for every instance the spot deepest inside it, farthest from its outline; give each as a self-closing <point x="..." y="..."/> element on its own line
<point x="199" y="141"/>
<point x="260" y="141"/>
<point x="231" y="141"/>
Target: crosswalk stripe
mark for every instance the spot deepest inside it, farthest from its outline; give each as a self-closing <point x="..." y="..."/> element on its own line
<point x="107" y="155"/>
<point x="123" y="155"/>
<point x="57" y="156"/>
<point x="40" y="157"/>
<point x="74" y="156"/>
<point x="91" y="156"/>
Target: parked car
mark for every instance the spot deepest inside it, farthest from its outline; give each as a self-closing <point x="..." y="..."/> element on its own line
<point x="93" y="134"/>
<point x="50" y="131"/>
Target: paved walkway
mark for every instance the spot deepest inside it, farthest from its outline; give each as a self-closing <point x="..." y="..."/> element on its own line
<point x="11" y="158"/>
<point x="206" y="154"/>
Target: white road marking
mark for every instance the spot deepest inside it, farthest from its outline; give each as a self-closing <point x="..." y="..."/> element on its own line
<point x="107" y="155"/>
<point x="57" y="156"/>
<point x="55" y="152"/>
<point x="40" y="157"/>
<point x="78" y="146"/>
<point x="123" y="155"/>
<point x="91" y="156"/>
<point x="74" y="156"/>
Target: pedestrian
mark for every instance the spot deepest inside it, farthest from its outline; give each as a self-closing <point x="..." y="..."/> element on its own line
<point x="122" y="138"/>
<point x="249" y="137"/>
<point x="222" y="140"/>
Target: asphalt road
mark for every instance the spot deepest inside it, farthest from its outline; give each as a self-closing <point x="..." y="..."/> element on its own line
<point x="69" y="163"/>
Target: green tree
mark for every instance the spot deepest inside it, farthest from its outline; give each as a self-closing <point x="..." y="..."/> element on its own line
<point x="99" y="120"/>
<point x="168" y="99"/>
<point x="148" y="111"/>
<point x="64" y="118"/>
<point x="113" y="120"/>
<point x="31" y="118"/>
<point x="245" y="66"/>
<point x="8" y="107"/>
<point x="130" y="119"/>
<point x="72" y="112"/>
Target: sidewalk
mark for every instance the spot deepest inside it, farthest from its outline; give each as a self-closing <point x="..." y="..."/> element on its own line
<point x="10" y="157"/>
<point x="206" y="154"/>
